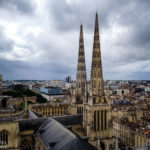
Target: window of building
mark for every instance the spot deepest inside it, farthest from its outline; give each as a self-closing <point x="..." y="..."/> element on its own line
<point x="83" y="76"/>
<point x="105" y="120"/>
<point x="94" y="120"/>
<point x="102" y="120"/>
<point x="81" y="110"/>
<point x="77" y="110"/>
<point x="4" y="137"/>
<point x="94" y="100"/>
<point x="98" y="119"/>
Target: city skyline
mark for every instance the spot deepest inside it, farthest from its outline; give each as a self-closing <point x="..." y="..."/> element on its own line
<point x="39" y="40"/>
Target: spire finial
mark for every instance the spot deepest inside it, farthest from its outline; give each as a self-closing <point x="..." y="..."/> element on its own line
<point x="96" y="14"/>
<point x="81" y="28"/>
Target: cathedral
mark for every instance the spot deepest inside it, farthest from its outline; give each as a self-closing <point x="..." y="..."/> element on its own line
<point x="95" y="105"/>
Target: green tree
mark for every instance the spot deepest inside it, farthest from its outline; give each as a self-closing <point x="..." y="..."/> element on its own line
<point x="27" y="92"/>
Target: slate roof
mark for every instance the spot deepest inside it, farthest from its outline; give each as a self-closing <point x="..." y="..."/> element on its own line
<point x="30" y="124"/>
<point x="32" y="115"/>
<point x="69" y="119"/>
<point x="37" y="114"/>
<point x="53" y="134"/>
<point x="56" y="137"/>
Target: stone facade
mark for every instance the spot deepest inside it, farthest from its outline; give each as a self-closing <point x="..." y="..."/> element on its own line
<point x="76" y="109"/>
<point x="130" y="134"/>
<point x="9" y="132"/>
<point x="141" y="141"/>
<point x="50" y="110"/>
<point x="131" y="115"/>
<point x="16" y="102"/>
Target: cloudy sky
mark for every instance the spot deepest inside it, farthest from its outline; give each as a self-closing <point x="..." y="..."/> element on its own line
<point x="39" y="38"/>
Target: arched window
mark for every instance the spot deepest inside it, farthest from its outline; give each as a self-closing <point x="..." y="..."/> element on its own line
<point x="4" y="137"/>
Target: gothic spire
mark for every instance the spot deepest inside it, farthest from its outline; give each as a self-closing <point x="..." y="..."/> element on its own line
<point x="96" y="81"/>
<point x="81" y="67"/>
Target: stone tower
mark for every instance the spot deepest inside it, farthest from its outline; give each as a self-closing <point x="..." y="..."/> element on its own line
<point x="81" y="70"/>
<point x="96" y="81"/>
<point x="96" y="118"/>
<point x="79" y="93"/>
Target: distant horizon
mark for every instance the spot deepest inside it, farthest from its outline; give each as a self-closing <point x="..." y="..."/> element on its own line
<point x="64" y="80"/>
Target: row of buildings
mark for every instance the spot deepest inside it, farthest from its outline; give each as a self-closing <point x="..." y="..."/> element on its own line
<point x="132" y="134"/>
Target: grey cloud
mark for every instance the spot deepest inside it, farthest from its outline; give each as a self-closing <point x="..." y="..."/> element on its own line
<point x="21" y="70"/>
<point x="22" y="6"/>
<point x="135" y="16"/>
<point x="69" y="16"/>
<point x="133" y="45"/>
<point x="141" y="35"/>
<point x="60" y="60"/>
<point x="6" y="44"/>
<point x="64" y="16"/>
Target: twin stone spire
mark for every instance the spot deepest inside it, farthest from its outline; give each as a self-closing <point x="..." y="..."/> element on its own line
<point x="81" y="69"/>
<point x="96" y="91"/>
